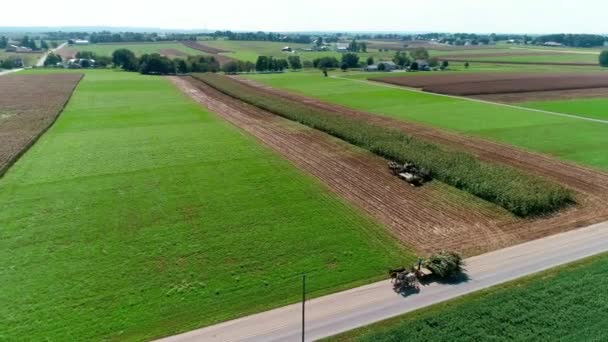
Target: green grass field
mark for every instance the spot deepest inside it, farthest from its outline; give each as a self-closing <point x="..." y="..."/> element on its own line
<point x="139" y="215"/>
<point x="596" y="108"/>
<point x="566" y="138"/>
<point x="138" y="49"/>
<point x="29" y="59"/>
<point x="568" y="303"/>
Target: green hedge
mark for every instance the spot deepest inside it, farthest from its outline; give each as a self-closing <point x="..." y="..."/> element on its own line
<point x="521" y="193"/>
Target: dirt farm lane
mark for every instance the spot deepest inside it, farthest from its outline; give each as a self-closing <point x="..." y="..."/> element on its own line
<point x="339" y="312"/>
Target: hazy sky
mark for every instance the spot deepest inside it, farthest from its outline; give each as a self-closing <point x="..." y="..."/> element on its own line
<point x="513" y="16"/>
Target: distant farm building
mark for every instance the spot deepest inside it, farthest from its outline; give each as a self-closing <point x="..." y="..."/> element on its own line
<point x="341" y="47"/>
<point x="78" y="63"/>
<point x="386" y="66"/>
<point x="423" y="64"/>
<point x="552" y="44"/>
<point x="16" y="48"/>
<point x="78" y="42"/>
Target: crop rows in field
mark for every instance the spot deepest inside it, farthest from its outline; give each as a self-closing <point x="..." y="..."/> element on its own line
<point x="28" y="106"/>
<point x="428" y="218"/>
<point x="516" y="191"/>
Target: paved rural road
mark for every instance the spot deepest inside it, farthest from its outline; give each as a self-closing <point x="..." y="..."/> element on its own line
<point x="339" y="312"/>
<point x="42" y="59"/>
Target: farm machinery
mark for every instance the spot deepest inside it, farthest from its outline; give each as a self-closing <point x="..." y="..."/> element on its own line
<point x="404" y="279"/>
<point x="442" y="265"/>
<point x="409" y="172"/>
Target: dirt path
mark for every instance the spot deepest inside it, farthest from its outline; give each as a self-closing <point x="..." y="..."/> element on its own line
<point x="428" y="218"/>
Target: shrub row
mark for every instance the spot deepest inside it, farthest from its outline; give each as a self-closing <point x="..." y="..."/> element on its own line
<point x="521" y="193"/>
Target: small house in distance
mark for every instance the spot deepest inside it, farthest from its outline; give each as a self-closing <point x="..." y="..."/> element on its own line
<point x="78" y="42"/>
<point x="423" y="65"/>
<point x="555" y="44"/>
<point x="382" y="66"/>
<point x="341" y="47"/>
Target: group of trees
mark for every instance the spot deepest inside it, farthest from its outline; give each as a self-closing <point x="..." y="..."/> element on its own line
<point x="236" y="66"/>
<point x="269" y="63"/>
<point x="353" y="46"/>
<point x="11" y="62"/>
<point x="574" y="40"/>
<point x="156" y="64"/>
<point x="28" y="42"/>
<point x="264" y="36"/>
<point x="3" y="42"/>
<point x="52" y="59"/>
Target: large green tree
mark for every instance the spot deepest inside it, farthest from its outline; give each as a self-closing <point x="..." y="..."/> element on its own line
<point x="52" y="59"/>
<point x="294" y="62"/>
<point x="604" y="58"/>
<point x="420" y="53"/>
<point x="125" y="58"/>
<point x="351" y="60"/>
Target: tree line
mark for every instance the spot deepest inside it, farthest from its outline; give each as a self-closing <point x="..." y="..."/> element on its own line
<point x="156" y="64"/>
<point x="132" y="37"/>
<point x="573" y="40"/>
<point x="26" y="41"/>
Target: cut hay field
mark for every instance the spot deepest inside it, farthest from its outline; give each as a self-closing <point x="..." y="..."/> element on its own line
<point x="592" y="108"/>
<point x="566" y="138"/>
<point x="139" y="215"/>
<point x="171" y="49"/>
<point x="567" y="303"/>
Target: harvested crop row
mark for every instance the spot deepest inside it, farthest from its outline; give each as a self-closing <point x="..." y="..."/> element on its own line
<point x="522" y="194"/>
<point x="28" y="106"/>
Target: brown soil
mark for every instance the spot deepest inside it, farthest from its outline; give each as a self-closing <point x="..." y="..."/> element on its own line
<point x="421" y="80"/>
<point x="500" y="54"/>
<point x="173" y="53"/>
<point x="208" y="49"/>
<point x="499" y="83"/>
<point x="498" y="61"/>
<point x="529" y="84"/>
<point x="202" y="47"/>
<point x="545" y="95"/>
<point x="428" y="218"/>
<point x="28" y="106"/>
<point x="66" y="53"/>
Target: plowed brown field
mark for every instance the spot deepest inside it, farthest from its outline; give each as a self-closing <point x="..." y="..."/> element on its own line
<point x="208" y="49"/>
<point x="545" y="95"/>
<point x="428" y="218"/>
<point x="173" y="53"/>
<point x="28" y="106"/>
<point x="499" y="83"/>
